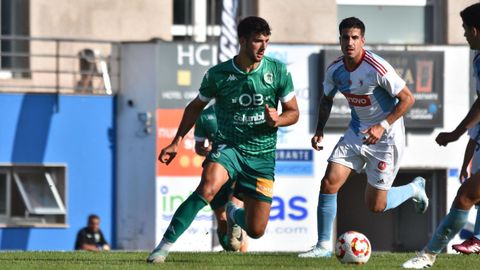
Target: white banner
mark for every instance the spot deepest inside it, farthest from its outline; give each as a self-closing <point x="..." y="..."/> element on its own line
<point x="171" y="192"/>
<point x="228" y="45"/>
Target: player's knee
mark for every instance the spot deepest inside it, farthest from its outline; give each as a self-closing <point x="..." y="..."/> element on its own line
<point x="466" y="197"/>
<point x="463" y="201"/>
<point x="256" y="233"/>
<point x="206" y="193"/>
<point x="328" y="187"/>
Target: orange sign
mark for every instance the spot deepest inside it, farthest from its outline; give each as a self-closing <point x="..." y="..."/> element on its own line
<point x="186" y="163"/>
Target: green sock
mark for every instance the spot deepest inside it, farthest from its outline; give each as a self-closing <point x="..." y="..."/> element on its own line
<point x="223" y="239"/>
<point x="184" y="216"/>
<point x="240" y="218"/>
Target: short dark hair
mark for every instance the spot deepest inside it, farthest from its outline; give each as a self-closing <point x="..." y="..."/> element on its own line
<point x="471" y="15"/>
<point x="253" y="25"/>
<point x="93" y="216"/>
<point x="352" y="22"/>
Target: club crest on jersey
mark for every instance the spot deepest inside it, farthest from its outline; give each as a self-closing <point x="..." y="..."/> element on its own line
<point x="268" y="77"/>
<point x="358" y="100"/>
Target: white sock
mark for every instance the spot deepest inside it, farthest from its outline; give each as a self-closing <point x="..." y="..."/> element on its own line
<point x="164" y="245"/>
<point x="324" y="245"/>
<point x="415" y="189"/>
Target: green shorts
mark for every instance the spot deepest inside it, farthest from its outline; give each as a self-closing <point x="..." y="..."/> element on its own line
<point x="253" y="176"/>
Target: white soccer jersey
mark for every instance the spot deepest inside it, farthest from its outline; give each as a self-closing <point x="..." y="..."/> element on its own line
<point x="370" y="90"/>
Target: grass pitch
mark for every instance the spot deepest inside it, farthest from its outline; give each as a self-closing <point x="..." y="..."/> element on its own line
<point x="220" y="260"/>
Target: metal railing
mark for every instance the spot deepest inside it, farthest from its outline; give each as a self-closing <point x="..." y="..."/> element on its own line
<point x="62" y="65"/>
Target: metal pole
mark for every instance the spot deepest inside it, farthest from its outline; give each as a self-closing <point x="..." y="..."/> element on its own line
<point x="57" y="75"/>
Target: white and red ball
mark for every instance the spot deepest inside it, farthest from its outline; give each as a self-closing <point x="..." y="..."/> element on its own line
<point x="353" y="247"/>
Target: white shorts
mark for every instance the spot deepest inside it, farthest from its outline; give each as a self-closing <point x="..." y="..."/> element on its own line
<point x="380" y="160"/>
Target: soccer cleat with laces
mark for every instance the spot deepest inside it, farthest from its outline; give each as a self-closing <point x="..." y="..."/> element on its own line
<point x="422" y="260"/>
<point x="420" y="198"/>
<point x="468" y="247"/>
<point x="157" y="256"/>
<point x="316" y="252"/>
<point x="234" y="231"/>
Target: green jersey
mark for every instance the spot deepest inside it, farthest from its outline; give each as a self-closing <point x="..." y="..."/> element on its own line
<point x="206" y="125"/>
<point x="240" y="103"/>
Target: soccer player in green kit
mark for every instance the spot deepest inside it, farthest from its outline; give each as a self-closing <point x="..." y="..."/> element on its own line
<point x="205" y="129"/>
<point x="247" y="90"/>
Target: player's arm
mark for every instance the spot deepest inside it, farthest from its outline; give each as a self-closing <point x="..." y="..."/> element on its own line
<point x="103" y="242"/>
<point x="289" y="115"/>
<point x="190" y="115"/>
<point x="405" y="102"/>
<point x="89" y="247"/>
<point x="467" y="157"/>
<point x="324" y="109"/>
<point x="469" y="121"/>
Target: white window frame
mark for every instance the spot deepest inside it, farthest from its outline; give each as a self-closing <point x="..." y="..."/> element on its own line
<point x="59" y="210"/>
<point x="55" y="176"/>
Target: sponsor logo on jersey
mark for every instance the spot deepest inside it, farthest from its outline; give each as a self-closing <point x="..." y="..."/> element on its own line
<point x="358" y="100"/>
<point x="268" y="77"/>
<point x="243" y="119"/>
<point x="247" y="100"/>
<point x="380" y="181"/>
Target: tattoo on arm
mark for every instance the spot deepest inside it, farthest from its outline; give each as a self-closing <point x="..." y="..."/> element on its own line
<point x="324" y="109"/>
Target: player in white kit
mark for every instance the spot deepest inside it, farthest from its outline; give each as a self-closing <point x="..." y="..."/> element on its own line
<point x="375" y="138"/>
<point x="469" y="192"/>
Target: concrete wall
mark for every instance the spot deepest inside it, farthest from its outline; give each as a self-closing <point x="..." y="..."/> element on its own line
<point x="453" y="24"/>
<point x="102" y="19"/>
<point x="301" y="21"/>
<point x="80" y="135"/>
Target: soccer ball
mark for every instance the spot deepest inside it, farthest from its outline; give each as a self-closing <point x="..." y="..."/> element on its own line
<point x="353" y="247"/>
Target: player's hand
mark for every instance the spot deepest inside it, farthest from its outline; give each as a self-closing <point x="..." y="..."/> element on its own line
<point x="463" y="175"/>
<point x="271" y="116"/>
<point x="168" y="153"/>
<point x="446" y="137"/>
<point x="372" y="134"/>
<point x="316" y="140"/>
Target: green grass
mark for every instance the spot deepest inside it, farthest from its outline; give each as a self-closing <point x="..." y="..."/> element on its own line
<point x="220" y="260"/>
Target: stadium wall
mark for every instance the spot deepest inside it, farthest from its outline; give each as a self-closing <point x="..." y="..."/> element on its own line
<point x="75" y="131"/>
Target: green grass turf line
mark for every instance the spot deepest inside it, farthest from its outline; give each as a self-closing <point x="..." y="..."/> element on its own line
<point x="207" y="260"/>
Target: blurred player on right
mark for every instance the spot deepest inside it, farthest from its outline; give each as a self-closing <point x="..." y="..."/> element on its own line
<point x="469" y="193"/>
